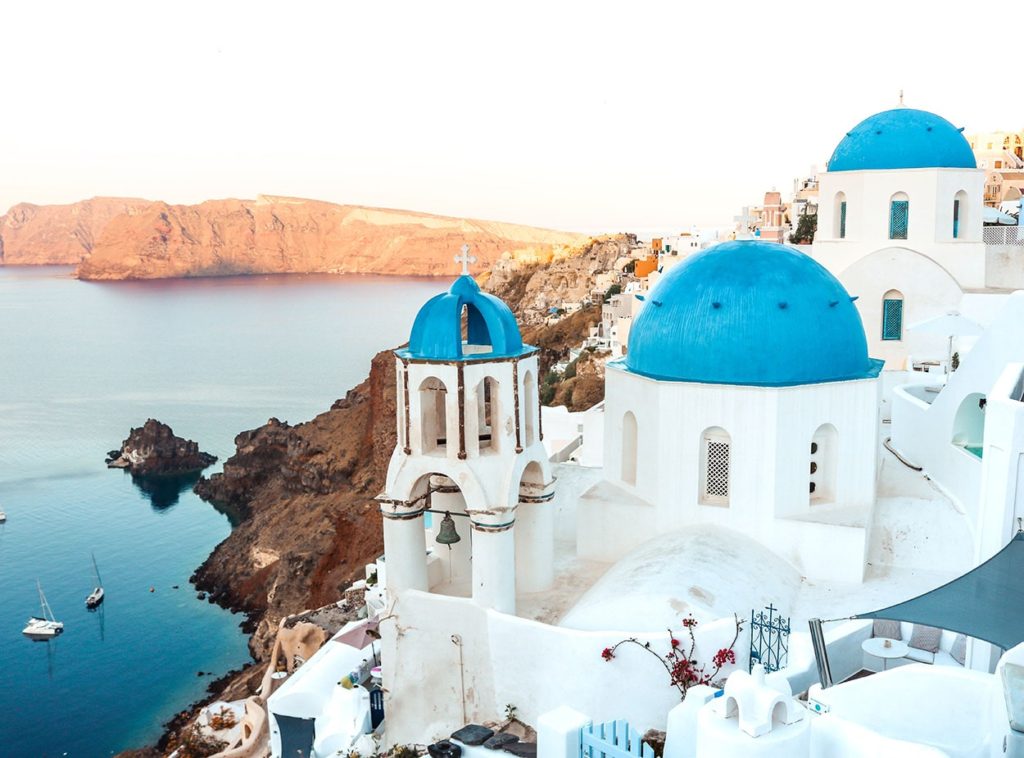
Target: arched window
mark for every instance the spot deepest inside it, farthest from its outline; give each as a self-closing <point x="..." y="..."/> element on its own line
<point x="529" y="408"/>
<point x="899" y="216"/>
<point x="969" y="424"/>
<point x="839" y="216"/>
<point x="487" y="413"/>
<point x="959" y="214"/>
<point x="629" y="449"/>
<point x="715" y="466"/>
<point x="892" y="315"/>
<point x="823" y="465"/>
<point x="475" y="331"/>
<point x="433" y="415"/>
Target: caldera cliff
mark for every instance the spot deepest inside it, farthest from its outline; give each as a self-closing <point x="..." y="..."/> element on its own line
<point x="277" y="235"/>
<point x="59" y="234"/>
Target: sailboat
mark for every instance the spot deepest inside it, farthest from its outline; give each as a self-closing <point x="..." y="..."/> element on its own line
<point x="96" y="596"/>
<point x="46" y="626"/>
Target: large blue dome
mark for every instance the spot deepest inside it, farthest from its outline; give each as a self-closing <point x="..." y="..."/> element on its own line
<point x="902" y="138"/>
<point x="752" y="313"/>
<point x="437" y="331"/>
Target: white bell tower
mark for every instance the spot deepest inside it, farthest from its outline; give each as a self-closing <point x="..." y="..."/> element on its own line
<point x="469" y="445"/>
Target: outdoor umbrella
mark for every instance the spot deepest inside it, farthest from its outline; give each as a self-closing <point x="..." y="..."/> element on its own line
<point x="360" y="635"/>
<point x="951" y="324"/>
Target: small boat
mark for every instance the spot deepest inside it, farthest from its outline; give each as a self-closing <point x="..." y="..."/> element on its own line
<point x="43" y="627"/>
<point x="3" y="517"/>
<point x="96" y="596"/>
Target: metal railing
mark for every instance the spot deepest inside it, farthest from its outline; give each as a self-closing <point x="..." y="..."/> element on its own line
<point x="1003" y="235"/>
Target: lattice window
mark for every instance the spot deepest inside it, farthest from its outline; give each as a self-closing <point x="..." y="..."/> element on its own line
<point x="892" y="319"/>
<point x="899" y="216"/>
<point x="842" y="220"/>
<point x="716" y="483"/>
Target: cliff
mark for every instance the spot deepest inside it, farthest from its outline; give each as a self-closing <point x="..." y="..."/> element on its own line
<point x="58" y="234"/>
<point x="289" y="235"/>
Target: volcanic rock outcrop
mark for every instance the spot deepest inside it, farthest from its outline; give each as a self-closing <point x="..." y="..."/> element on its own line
<point x="277" y="235"/>
<point x="153" y="450"/>
<point x="59" y="234"/>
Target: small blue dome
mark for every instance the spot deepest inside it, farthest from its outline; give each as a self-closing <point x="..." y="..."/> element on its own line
<point x="752" y="313"/>
<point x="902" y="138"/>
<point x="437" y="330"/>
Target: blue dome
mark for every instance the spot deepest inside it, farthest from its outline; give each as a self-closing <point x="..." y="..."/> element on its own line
<point x="902" y="138"/>
<point x="437" y="330"/>
<point x="753" y="313"/>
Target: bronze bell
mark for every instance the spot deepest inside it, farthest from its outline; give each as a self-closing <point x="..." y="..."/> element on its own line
<point x="447" y="535"/>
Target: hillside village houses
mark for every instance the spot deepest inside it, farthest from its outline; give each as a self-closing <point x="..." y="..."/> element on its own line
<point x="823" y="443"/>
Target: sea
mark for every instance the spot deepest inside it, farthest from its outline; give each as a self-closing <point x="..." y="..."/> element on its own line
<point x="81" y="363"/>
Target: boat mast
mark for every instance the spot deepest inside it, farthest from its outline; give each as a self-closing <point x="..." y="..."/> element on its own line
<point x="47" y="613"/>
<point x="96" y="569"/>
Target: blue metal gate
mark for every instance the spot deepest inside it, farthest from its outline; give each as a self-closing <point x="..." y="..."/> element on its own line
<point x="613" y="739"/>
<point x="769" y="639"/>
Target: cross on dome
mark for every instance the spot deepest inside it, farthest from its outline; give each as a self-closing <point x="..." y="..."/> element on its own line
<point x="465" y="259"/>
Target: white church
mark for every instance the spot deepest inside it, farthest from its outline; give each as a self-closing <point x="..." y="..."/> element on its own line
<point x="784" y="430"/>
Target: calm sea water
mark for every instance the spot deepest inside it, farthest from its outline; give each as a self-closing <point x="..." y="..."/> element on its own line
<point x="81" y="363"/>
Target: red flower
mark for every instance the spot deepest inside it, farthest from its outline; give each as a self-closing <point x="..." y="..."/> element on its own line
<point x="723" y="656"/>
<point x="607" y="653"/>
<point x="690" y="622"/>
<point x="675" y="642"/>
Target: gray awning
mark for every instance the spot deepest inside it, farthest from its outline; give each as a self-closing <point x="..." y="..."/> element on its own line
<point x="985" y="603"/>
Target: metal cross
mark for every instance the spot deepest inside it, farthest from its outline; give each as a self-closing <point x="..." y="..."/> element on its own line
<point x="465" y="259"/>
<point x="901" y="97"/>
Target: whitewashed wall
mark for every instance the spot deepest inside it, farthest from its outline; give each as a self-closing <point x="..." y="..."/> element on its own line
<point x="509" y="660"/>
<point x="771" y="431"/>
<point x="930" y="231"/>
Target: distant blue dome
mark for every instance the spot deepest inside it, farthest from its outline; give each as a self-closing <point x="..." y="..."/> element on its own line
<point x="902" y="138"/>
<point x="437" y="330"/>
<point x="752" y="313"/>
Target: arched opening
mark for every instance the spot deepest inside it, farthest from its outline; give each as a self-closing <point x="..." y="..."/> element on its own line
<point x="779" y="714"/>
<point x="892" y="315"/>
<point x="433" y="415"/>
<point x="530" y="408"/>
<point x="969" y="424"/>
<point x="899" y="216"/>
<point x="487" y="413"/>
<point x="715" y="466"/>
<point x="839" y="216"/>
<point x="824" y="456"/>
<point x="475" y="331"/>
<point x="449" y="563"/>
<point x="534" y="532"/>
<point x="629" y="450"/>
<point x="959" y="214"/>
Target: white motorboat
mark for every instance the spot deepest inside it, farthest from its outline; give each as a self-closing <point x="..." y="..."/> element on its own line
<point x="96" y="596"/>
<point x="3" y="517"/>
<point x="43" y="627"/>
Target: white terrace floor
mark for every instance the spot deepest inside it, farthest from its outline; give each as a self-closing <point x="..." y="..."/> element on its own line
<point x="918" y="541"/>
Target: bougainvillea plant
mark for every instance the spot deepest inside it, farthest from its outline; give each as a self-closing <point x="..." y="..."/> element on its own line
<point x="680" y="661"/>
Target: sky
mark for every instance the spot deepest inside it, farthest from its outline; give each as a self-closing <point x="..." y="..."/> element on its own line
<point x="589" y="116"/>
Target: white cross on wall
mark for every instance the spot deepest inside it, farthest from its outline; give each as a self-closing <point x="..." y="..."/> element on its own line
<point x="465" y="259"/>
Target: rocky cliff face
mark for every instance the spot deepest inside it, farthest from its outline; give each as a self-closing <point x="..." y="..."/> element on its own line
<point x="288" y="235"/>
<point x="58" y="234"/>
<point x="532" y="286"/>
<point x="305" y="496"/>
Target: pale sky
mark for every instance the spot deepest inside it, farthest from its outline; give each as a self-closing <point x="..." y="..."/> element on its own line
<point x="580" y="116"/>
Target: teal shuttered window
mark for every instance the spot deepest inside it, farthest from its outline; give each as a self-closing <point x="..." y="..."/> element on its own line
<point x="892" y="318"/>
<point x="956" y="219"/>
<point x="899" y="215"/>
<point x="842" y="220"/>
